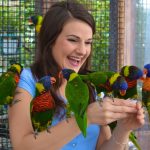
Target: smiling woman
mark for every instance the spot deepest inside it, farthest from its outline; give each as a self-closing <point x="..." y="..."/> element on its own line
<point x="73" y="47"/>
<point x="65" y="42"/>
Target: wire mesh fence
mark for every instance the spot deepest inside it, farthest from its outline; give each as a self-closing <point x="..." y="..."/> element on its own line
<point x="18" y="40"/>
<point x="17" y="44"/>
<point x="5" y="143"/>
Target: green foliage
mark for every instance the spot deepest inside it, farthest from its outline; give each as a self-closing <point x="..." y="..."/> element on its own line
<point x="100" y="11"/>
<point x="14" y="16"/>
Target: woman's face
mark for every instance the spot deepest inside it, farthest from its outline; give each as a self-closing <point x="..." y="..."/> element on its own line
<point x="73" y="45"/>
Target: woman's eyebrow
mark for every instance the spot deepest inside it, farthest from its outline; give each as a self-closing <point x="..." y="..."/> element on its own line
<point x="72" y="35"/>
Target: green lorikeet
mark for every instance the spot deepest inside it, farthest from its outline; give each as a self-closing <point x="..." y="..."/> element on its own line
<point x="146" y="89"/>
<point x="77" y="94"/>
<point x="37" y="21"/>
<point x="106" y="82"/>
<point x="42" y="107"/>
<point x="8" y="84"/>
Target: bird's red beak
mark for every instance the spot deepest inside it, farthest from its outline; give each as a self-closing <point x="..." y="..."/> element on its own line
<point x="122" y="92"/>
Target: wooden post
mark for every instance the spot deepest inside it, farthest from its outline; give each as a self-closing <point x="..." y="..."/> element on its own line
<point x="129" y="32"/>
<point x="121" y="33"/>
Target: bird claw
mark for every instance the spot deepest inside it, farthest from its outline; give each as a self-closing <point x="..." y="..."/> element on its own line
<point x="35" y="134"/>
<point x="48" y="130"/>
<point x="67" y="120"/>
<point x="100" y="101"/>
<point x="111" y="96"/>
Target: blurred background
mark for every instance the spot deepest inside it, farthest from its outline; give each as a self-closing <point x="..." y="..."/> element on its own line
<point x="122" y="38"/>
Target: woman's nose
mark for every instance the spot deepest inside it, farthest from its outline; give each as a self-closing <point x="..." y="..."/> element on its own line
<point x="82" y="49"/>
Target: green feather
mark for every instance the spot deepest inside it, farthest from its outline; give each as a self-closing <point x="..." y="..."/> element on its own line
<point x="77" y="94"/>
<point x="132" y="138"/>
<point x="42" y="108"/>
<point x="8" y="83"/>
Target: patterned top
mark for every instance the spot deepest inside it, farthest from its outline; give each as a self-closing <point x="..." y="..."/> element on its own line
<point x="27" y="82"/>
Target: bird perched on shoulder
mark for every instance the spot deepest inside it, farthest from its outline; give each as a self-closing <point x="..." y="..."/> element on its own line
<point x="42" y="107"/>
<point x="146" y="88"/>
<point x="106" y="82"/>
<point x="131" y="75"/>
<point x="8" y="84"/>
<point x="37" y="21"/>
<point x="77" y="94"/>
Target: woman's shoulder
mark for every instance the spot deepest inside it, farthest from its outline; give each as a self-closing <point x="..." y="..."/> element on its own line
<point x="26" y="72"/>
<point x="27" y="81"/>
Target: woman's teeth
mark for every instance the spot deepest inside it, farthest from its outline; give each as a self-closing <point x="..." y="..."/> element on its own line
<point x="74" y="61"/>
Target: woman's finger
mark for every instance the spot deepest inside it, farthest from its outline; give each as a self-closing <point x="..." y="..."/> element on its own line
<point x="108" y="106"/>
<point x="120" y="102"/>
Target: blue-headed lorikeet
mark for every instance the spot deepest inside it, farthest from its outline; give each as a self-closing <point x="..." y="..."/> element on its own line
<point x="8" y="84"/>
<point x="42" y="107"/>
<point x="146" y="88"/>
<point x="37" y="21"/>
<point x="106" y="82"/>
<point x="131" y="74"/>
<point x="77" y="94"/>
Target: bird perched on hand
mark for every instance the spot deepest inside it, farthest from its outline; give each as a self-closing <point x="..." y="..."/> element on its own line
<point x="131" y="75"/>
<point x="106" y="82"/>
<point x="8" y="84"/>
<point x="42" y="107"/>
<point x="37" y="21"/>
<point x="146" y="88"/>
<point x="77" y="94"/>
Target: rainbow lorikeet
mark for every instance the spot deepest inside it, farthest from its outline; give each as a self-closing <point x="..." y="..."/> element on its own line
<point x="106" y="82"/>
<point x="8" y="84"/>
<point x="42" y="107"/>
<point x="131" y="74"/>
<point x="146" y="88"/>
<point x="37" y="22"/>
<point x="77" y="94"/>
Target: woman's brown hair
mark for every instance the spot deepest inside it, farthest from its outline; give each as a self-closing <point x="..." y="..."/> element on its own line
<point x="53" y="23"/>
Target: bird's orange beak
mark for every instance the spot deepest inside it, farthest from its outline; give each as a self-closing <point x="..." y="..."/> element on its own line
<point x="53" y="80"/>
<point x="145" y="71"/>
<point x="122" y="92"/>
<point x="30" y="21"/>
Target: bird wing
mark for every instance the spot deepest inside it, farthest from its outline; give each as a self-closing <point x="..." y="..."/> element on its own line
<point x="7" y="87"/>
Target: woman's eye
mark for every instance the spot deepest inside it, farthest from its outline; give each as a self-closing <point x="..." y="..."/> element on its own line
<point x="72" y="40"/>
<point x="90" y="43"/>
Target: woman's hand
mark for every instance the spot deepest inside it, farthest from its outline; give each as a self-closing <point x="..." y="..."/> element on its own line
<point x="110" y="110"/>
<point x="133" y="121"/>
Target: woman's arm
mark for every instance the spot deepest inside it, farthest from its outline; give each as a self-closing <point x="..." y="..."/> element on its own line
<point x="105" y="134"/>
<point x="21" y="131"/>
<point x="119" y="138"/>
